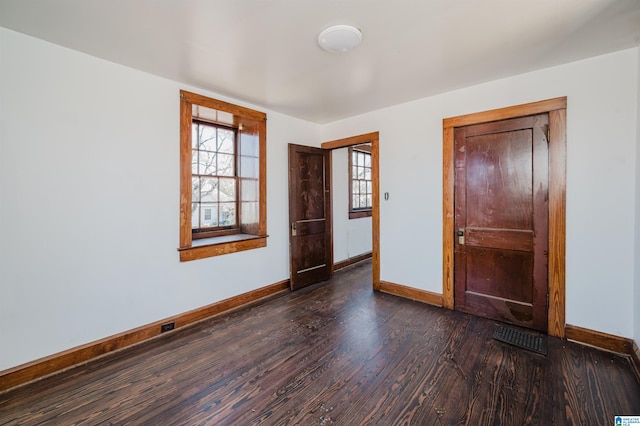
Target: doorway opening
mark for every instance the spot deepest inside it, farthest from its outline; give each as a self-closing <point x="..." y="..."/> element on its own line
<point x="298" y="266"/>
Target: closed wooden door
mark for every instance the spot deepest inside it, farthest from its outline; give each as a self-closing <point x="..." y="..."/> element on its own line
<point x="310" y="242"/>
<point x="501" y="220"/>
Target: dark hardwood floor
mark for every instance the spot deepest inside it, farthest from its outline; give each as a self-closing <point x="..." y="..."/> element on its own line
<point x="335" y="353"/>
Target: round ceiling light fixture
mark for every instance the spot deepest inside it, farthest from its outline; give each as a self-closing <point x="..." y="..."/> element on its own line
<point x="339" y="38"/>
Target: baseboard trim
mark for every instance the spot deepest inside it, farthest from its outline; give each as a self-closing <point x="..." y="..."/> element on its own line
<point x="411" y="293"/>
<point x="55" y="363"/>
<point x="355" y="259"/>
<point x="599" y="339"/>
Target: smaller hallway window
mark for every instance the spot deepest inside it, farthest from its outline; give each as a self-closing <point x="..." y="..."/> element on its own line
<point x="360" y="183"/>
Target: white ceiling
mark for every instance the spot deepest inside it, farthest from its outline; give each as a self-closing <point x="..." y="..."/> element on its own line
<point x="266" y="52"/>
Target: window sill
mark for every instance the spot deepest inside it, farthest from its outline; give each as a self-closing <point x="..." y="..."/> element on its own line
<point x="359" y="214"/>
<point x="216" y="246"/>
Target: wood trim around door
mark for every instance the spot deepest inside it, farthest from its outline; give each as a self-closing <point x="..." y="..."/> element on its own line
<point x="556" y="108"/>
<point x="374" y="139"/>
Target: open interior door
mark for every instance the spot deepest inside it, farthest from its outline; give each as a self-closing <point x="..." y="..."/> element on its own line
<point x="310" y="240"/>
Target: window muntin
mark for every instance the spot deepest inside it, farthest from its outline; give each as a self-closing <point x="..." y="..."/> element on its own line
<point x="360" y="182"/>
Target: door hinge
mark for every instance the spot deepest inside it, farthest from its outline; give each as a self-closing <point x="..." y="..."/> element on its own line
<point x="547" y="300"/>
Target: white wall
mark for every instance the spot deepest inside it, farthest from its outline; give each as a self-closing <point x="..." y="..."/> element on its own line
<point x="89" y="192"/>
<point x="351" y="237"/>
<point x="601" y="126"/>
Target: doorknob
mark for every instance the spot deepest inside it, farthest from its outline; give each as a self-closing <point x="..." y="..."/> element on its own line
<point x="293" y="229"/>
<point x="460" y="235"/>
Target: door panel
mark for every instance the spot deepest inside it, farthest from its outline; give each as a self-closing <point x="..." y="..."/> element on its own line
<point x="309" y="215"/>
<point x="500" y="273"/>
<point x="499" y="169"/>
<point x="501" y="220"/>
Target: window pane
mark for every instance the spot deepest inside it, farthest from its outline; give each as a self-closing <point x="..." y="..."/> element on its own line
<point x="367" y="174"/>
<point x="208" y="189"/>
<point x="225" y="141"/>
<point x="369" y="201"/>
<point x="227" y="189"/>
<point x="195" y="215"/>
<point x="207" y="136"/>
<point x="355" y="187"/>
<point x="360" y="172"/>
<point x="207" y="163"/>
<point x="363" y="201"/>
<point x="249" y="167"/>
<point x="195" y="189"/>
<point x="227" y="214"/>
<point x="367" y="160"/>
<point x="355" y="201"/>
<point x="249" y="145"/>
<point x="354" y="172"/>
<point x="361" y="156"/>
<point x="249" y="190"/>
<point x="226" y="166"/>
<point x="354" y="158"/>
<point x="208" y="215"/>
<point x="363" y="187"/>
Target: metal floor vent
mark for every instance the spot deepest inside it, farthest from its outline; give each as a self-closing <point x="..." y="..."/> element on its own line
<point x="522" y="339"/>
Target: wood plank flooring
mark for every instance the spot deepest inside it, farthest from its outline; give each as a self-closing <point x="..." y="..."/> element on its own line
<point x="334" y="353"/>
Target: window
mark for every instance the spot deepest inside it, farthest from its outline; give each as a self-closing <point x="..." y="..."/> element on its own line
<point x="360" y="183"/>
<point x="222" y="177"/>
<point x="214" y="201"/>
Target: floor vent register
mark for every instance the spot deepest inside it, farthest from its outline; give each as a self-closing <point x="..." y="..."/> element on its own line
<point x="522" y="339"/>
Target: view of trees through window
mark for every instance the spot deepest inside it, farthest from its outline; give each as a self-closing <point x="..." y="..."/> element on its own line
<point x="214" y="177"/>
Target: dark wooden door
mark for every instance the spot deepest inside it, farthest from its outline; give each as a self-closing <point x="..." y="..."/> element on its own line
<point x="310" y="240"/>
<point x="501" y="220"/>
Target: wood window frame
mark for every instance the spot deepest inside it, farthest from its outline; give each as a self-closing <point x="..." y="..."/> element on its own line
<point x="557" y="110"/>
<point x="357" y="213"/>
<point x="253" y="229"/>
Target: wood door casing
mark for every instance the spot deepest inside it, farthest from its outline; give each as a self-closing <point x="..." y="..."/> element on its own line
<point x="310" y="227"/>
<point x="501" y="219"/>
<point x="374" y="139"/>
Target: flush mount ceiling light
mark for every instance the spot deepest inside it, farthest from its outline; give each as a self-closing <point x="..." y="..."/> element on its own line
<point x="339" y="38"/>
